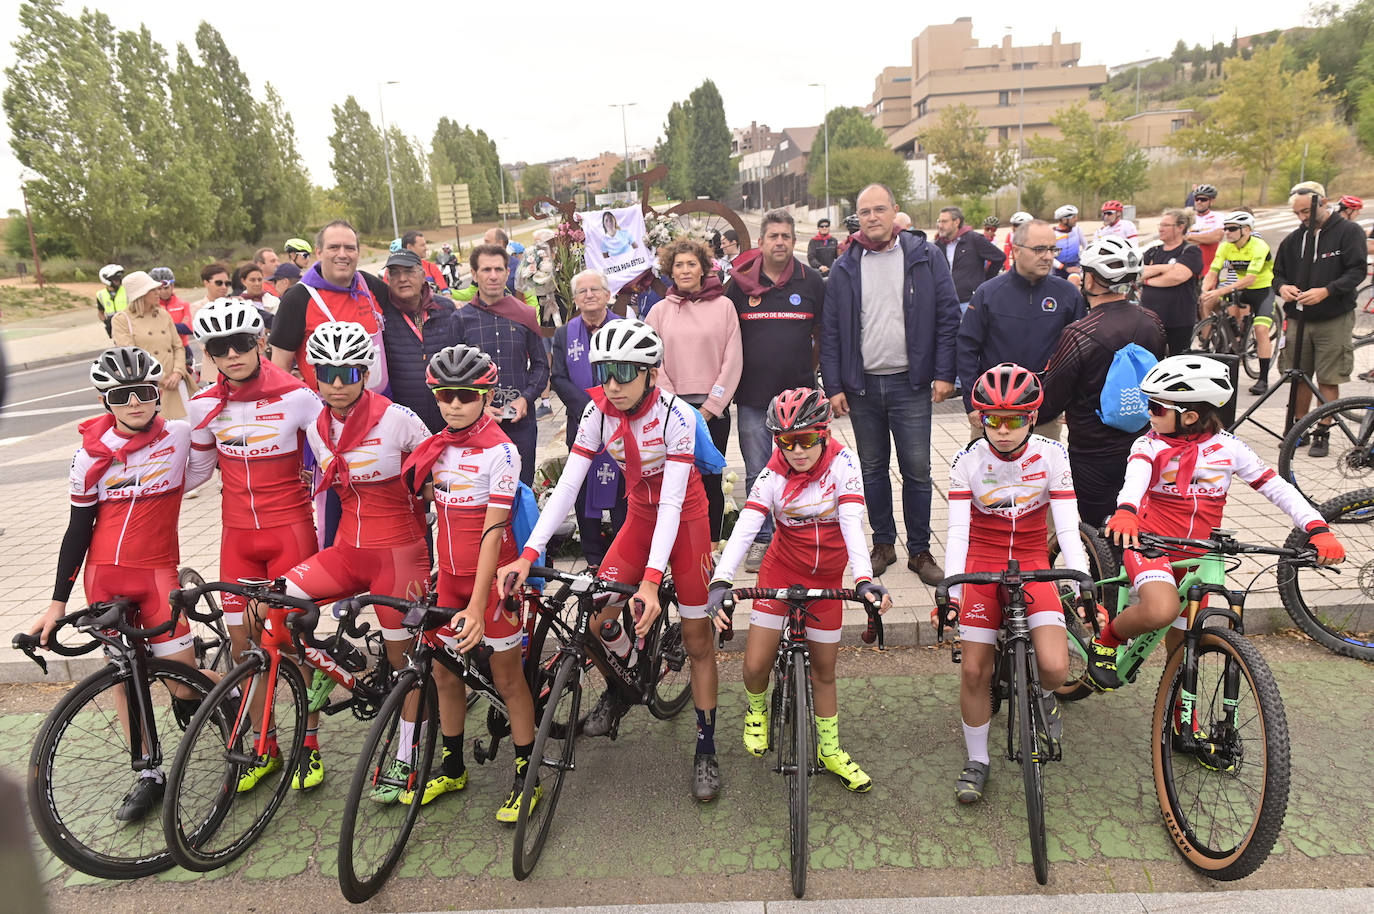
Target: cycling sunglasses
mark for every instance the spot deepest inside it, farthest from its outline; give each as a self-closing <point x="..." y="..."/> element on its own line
<point x="461" y="394"/>
<point x="144" y="393"/>
<point x="1011" y="422"/>
<point x="1162" y="409"/>
<point x="329" y="374"/>
<point x="803" y="440"/>
<point x="242" y="343"/>
<point x="621" y="372"/>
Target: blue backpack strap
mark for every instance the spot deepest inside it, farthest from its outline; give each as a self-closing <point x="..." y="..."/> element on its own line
<point x="708" y="458"/>
<point x="523" y="516"/>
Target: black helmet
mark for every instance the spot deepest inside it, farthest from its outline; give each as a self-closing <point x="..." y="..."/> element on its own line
<point x="797" y="409"/>
<point x="991" y="222"/>
<point x="461" y="366"/>
<point x="851" y="223"/>
<point x="1205" y="190"/>
<point x="123" y="366"/>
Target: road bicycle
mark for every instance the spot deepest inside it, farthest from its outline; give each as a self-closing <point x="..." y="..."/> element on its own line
<point x="1334" y="605"/>
<point x="206" y="820"/>
<point x="659" y="678"/>
<point x="792" y="710"/>
<point x="1219" y="332"/>
<point x="1219" y="735"/>
<point x="214" y="650"/>
<point x="1016" y="681"/>
<point x="1349" y="465"/>
<point x="112" y="724"/>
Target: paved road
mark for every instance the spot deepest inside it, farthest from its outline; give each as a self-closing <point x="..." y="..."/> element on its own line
<point x="44" y="398"/>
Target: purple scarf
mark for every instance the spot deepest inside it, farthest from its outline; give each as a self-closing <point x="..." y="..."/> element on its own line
<point x="313" y="277"/>
<point x="603" y="477"/>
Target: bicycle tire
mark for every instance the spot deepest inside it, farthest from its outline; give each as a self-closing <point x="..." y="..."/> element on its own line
<point x="65" y="830"/>
<point x="1026" y="728"/>
<point x="1249" y="352"/>
<point x="1350" y="464"/>
<point x="671" y="689"/>
<point x="1077" y="687"/>
<point x="214" y="650"/>
<point x="358" y="879"/>
<point x="1327" y="614"/>
<point x="1364" y="315"/>
<point x="699" y="218"/>
<point x="1102" y="561"/>
<point x="1223" y="654"/>
<point x="797" y="758"/>
<point x="202" y="787"/>
<point x="1211" y="334"/>
<point x="544" y="779"/>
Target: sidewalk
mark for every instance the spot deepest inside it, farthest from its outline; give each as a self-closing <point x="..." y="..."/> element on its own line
<point x="60" y="337"/>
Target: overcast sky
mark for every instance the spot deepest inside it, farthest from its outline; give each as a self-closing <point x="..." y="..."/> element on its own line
<point x="540" y="76"/>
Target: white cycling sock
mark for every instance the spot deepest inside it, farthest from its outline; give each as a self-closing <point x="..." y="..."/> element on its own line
<point x="976" y="742"/>
<point x="405" y="739"/>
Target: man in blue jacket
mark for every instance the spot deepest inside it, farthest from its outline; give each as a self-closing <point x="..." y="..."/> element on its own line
<point x="1019" y="315"/>
<point x="887" y="352"/>
<point x="972" y="258"/>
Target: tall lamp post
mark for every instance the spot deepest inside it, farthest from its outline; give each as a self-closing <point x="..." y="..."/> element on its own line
<point x="625" y="135"/>
<point x="825" y="126"/>
<point x="505" y="219"/>
<point x="1020" y="126"/>
<point x="386" y="153"/>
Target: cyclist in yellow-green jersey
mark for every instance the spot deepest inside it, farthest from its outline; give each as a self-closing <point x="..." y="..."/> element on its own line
<point x="1248" y="257"/>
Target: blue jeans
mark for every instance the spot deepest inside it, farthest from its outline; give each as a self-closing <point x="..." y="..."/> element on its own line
<point x="756" y="444"/>
<point x="889" y="410"/>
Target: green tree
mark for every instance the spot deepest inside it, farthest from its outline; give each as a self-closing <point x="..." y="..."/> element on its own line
<point x="853" y="169"/>
<point x="465" y="159"/>
<point x="536" y="182"/>
<point x="849" y="129"/>
<point x="1091" y="157"/>
<point x="359" y="166"/>
<point x="228" y="117"/>
<point x="1264" y="114"/>
<point x="287" y="203"/>
<point x="675" y="151"/>
<point x="969" y="166"/>
<point x="416" y="202"/>
<point x="712" y="175"/>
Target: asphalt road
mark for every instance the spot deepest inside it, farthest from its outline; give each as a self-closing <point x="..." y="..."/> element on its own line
<point x="44" y="398"/>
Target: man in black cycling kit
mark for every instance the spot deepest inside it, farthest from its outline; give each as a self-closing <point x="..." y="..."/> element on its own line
<point x="1073" y="381"/>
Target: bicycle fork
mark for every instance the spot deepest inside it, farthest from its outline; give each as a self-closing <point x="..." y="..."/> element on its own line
<point x="145" y="754"/>
<point x="1209" y="742"/>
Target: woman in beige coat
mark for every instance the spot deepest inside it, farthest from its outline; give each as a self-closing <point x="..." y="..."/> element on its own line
<point x="147" y="325"/>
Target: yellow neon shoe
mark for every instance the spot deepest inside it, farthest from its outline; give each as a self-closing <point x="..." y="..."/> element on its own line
<point x="847" y="770"/>
<point x="310" y="773"/>
<point x="436" y="787"/>
<point x="510" y="810"/>
<point x="266" y="764"/>
<point x="756" y="733"/>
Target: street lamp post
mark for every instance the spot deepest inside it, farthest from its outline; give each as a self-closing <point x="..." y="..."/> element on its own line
<point x="825" y="126"/>
<point x="1020" y="126"/>
<point x="386" y="153"/>
<point x="625" y="135"/>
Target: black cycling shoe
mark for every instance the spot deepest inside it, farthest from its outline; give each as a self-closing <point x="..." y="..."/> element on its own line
<point x="705" y="778"/>
<point x="1259" y="386"/>
<point x="140" y="800"/>
<point x="604" y="719"/>
<point x="1102" y="666"/>
<point x="1321" y="442"/>
<point x="969" y="787"/>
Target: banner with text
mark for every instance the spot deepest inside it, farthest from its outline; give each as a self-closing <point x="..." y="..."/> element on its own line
<point x="615" y="244"/>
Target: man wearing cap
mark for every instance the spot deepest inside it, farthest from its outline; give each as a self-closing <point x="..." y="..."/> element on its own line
<point x="1205" y="231"/>
<point x="1318" y="288"/>
<point x="111" y="299"/>
<point x="418" y="323"/>
<point x="286" y="276"/>
<point x="822" y="249"/>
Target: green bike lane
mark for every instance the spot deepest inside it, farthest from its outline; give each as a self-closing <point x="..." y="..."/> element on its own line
<point x="627" y="833"/>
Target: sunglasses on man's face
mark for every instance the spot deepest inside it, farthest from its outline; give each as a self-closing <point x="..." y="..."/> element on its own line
<point x="332" y="374"/>
<point x="143" y="393"/>
<point x="803" y="440"/>
<point x="222" y="283"/>
<point x="242" y="343"/>
<point x="1011" y="422"/>
<point x="463" y="395"/>
<point x="620" y="372"/>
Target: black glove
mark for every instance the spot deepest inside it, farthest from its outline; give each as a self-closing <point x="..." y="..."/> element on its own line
<point x="715" y="598"/>
<point x="871" y="593"/>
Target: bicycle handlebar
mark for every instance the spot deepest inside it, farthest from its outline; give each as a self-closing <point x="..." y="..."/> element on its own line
<point x="872" y="632"/>
<point x="583" y="582"/>
<point x="1221" y="542"/>
<point x="1009" y="577"/>
<point x="418" y="614"/>
<point x="111" y="614"/>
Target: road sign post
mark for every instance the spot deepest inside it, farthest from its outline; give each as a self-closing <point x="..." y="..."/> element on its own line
<point x="455" y="208"/>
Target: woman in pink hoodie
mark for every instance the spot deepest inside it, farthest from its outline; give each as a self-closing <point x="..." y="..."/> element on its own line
<point x="702" y="358"/>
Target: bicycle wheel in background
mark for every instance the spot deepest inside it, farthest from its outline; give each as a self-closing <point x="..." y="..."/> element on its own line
<point x="1363" y="370"/>
<point x="1364" y="317"/>
<point x="550" y="761"/>
<point x="1024" y="725"/>
<point x="1211" y="334"/>
<point x="80" y="771"/>
<point x="1350" y="463"/>
<point x="796" y="756"/>
<point x="206" y="820"/>
<point x="213" y="649"/>
<point x="1250" y="351"/>
<point x="1102" y="560"/>
<point x="1335" y="606"/>
<point x="1223" y="807"/>
<point x="376" y="824"/>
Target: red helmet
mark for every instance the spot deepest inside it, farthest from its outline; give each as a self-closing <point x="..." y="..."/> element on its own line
<point x="1351" y="202"/>
<point x="1113" y="206"/>
<point x="797" y="409"/>
<point x="1007" y="386"/>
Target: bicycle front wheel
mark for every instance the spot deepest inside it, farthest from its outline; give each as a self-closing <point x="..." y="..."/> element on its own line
<point x="1025" y="708"/>
<point x="550" y="760"/>
<point x="1335" y="606"/>
<point x="210" y="816"/>
<point x="376" y="824"/>
<point x="796" y="758"/>
<point x="1211" y="334"/>
<point x="1349" y="465"/>
<point x="214" y="651"/>
<point x="672" y="687"/>
<point x="1222" y="777"/>
<point x="79" y="770"/>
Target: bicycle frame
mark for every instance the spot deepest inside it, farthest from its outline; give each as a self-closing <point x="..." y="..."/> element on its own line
<point x="792" y="644"/>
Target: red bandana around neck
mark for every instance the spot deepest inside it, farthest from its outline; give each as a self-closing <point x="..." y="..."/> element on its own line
<point x="484" y="433"/>
<point x="747" y="273"/>
<point x="864" y="242"/>
<point x="710" y="288"/>
<point x="512" y="309"/>
<point x="92" y="430"/>
<point x="1186" y="450"/>
<point x="361" y="419"/>
<point x="632" y="462"/>
<point x="271" y="381"/>
<point x="797" y="482"/>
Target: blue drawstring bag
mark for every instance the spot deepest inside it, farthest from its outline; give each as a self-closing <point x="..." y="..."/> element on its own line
<point x="1122" y="404"/>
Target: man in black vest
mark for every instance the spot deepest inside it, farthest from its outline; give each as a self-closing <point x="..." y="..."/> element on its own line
<point x="418" y="325"/>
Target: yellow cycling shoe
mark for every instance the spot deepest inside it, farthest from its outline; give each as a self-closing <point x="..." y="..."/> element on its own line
<point x="847" y="770"/>
<point x="510" y="810"/>
<point x="756" y="733"/>
<point x="266" y="764"/>
<point x="436" y="787"/>
<point x="310" y="772"/>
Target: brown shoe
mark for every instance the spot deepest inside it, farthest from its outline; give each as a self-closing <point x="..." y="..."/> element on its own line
<point x="883" y="555"/>
<point x="923" y="563"/>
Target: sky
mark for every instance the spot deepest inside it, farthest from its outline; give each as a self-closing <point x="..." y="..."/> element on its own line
<point x="541" y="77"/>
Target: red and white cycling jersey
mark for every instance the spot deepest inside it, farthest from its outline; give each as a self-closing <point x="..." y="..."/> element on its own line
<point x="1194" y="509"/>
<point x="138" y="502"/>
<point x="466" y="481"/>
<point x="259" y="444"/>
<point x="817" y="532"/>
<point x="378" y="509"/>
<point x="998" y="508"/>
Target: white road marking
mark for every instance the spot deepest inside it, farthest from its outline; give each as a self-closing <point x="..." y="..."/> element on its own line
<point x="91" y="408"/>
<point x="79" y="390"/>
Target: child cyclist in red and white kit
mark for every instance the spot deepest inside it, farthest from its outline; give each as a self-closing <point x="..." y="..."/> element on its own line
<point x="475" y="473"/>
<point x="813" y="489"/>
<point x="1177" y="478"/>
<point x="1001" y="489"/>
<point x="652" y="435"/>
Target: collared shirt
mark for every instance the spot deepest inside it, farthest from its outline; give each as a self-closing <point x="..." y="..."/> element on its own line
<point x="518" y="352"/>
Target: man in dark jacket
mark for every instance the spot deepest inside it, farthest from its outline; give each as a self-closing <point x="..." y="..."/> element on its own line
<point x="1317" y="282"/>
<point x="417" y="325"/>
<point x="972" y="258"/>
<point x="1018" y="316"/>
<point x="823" y="248"/>
<point x="888" y="333"/>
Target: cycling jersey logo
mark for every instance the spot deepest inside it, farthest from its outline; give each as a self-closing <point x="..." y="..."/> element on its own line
<point x="164" y="452"/>
<point x="452" y="481"/>
<point x="1026" y="463"/>
<point x="469" y="452"/>
<point x="794" y="299"/>
<point x="1028" y="477"/>
<point x="1007" y="497"/>
<point x="1211" y="449"/>
<point x="650" y="425"/>
<point x="261" y="403"/>
<point x="271" y="417"/>
<point x="245" y="435"/>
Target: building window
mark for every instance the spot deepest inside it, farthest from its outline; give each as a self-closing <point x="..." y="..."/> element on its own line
<point x="1003" y="134"/>
<point x="922" y="107"/>
<point x="1004" y="98"/>
<point x="1175" y="125"/>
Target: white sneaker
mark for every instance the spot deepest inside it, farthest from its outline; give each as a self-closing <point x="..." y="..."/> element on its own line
<point x="754" y="559"/>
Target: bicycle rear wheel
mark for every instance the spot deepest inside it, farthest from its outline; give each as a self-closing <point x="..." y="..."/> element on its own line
<point x="672" y="687"/>
<point x="1211" y="334"/>
<point x="796" y="757"/>
<point x="1223" y="794"/>
<point x="213" y="648"/>
<point x="80" y="769"/>
<point x="376" y="825"/>
<point x="1335" y="606"/>
<point x="1350" y="463"/>
<point x="1025" y="726"/>
<point x="206" y="820"/>
<point x="550" y="761"/>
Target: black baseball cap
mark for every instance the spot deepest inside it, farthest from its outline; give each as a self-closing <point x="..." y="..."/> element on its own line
<point x="404" y="258"/>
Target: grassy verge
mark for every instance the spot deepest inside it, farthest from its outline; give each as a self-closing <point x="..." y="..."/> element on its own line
<point x="19" y="303"/>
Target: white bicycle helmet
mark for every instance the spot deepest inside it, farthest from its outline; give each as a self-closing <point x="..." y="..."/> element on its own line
<point x="1019" y="218"/>
<point x="340" y="343"/>
<point x="1239" y="217"/>
<point x="627" y="341"/>
<point x="226" y="317"/>
<point x="109" y="272"/>
<point x="1113" y="258"/>
<point x="124" y="366"/>
<point x="1065" y="211"/>
<point x="1189" y="379"/>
